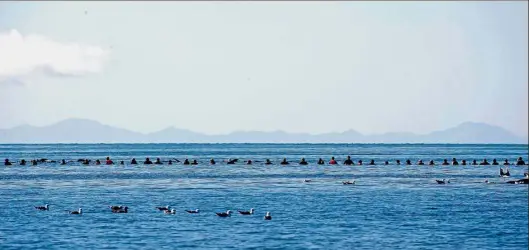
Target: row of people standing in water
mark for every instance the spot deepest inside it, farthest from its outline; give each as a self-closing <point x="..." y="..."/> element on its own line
<point x="333" y="161"/>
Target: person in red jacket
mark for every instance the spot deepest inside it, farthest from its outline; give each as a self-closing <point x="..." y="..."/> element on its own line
<point x="332" y="161"/>
<point x="109" y="161"/>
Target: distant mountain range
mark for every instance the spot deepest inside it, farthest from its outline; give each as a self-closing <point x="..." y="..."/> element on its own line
<point x="87" y="131"/>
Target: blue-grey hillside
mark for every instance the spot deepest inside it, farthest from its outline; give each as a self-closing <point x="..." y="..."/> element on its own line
<point x="87" y="131"/>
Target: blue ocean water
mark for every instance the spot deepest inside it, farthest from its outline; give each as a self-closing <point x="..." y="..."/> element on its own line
<point x="389" y="207"/>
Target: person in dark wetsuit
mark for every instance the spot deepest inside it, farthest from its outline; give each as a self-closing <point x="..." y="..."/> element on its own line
<point x="321" y="162"/>
<point x="454" y="162"/>
<point x="232" y="161"/>
<point x="186" y="162"/>
<point x="520" y="162"/>
<point x="147" y="161"/>
<point x="332" y="161"/>
<point x="398" y="162"/>
<point x="431" y="163"/>
<point x="170" y="162"/>
<point x="212" y="161"/>
<point x="474" y="162"/>
<point x="386" y="163"/>
<point x="372" y="162"/>
<point x="121" y="162"/>
<point x="133" y="161"/>
<point x="34" y="162"/>
<point x="194" y="162"/>
<point x="7" y="162"/>
<point x="303" y="162"/>
<point x="360" y="162"/>
<point x="494" y="162"/>
<point x="23" y="162"/>
<point x="506" y="162"/>
<point x="484" y="162"/>
<point x="408" y="162"/>
<point x="249" y="162"/>
<point x="445" y="162"/>
<point x="98" y="162"/>
<point x="284" y="162"/>
<point x="420" y="162"/>
<point x="268" y="162"/>
<point x="63" y="162"/>
<point x="348" y="161"/>
<point x="464" y="162"/>
<point x="158" y="161"/>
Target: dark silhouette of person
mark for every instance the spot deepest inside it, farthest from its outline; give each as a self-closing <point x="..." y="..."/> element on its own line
<point x="520" y="162"/>
<point x="147" y="161"/>
<point x="348" y="161"/>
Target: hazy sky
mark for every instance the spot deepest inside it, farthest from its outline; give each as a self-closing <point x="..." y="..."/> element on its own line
<point x="216" y="67"/>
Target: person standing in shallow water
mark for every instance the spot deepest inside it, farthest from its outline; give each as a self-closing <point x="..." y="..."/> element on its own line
<point x="454" y="162"/>
<point x="372" y="162"/>
<point x="484" y="162"/>
<point x="494" y="162"/>
<point x="186" y="162"/>
<point x="348" y="161"/>
<point x="108" y="161"/>
<point x="520" y="162"/>
<point x="268" y="162"/>
<point x="332" y="161"/>
<point x="303" y="162"/>
<point x="445" y="162"/>
<point x="212" y="161"/>
<point x="284" y="162"/>
<point x="133" y="161"/>
<point x="158" y="161"/>
<point x="464" y="162"/>
<point x="474" y="162"/>
<point x="398" y="162"/>
<point x="408" y="162"/>
<point x="147" y="161"/>
<point x="321" y="162"/>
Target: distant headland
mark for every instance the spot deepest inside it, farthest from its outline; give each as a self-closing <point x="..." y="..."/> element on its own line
<point x="88" y="131"/>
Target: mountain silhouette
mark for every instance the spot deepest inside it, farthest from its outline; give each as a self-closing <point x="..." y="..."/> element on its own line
<point x="88" y="131"/>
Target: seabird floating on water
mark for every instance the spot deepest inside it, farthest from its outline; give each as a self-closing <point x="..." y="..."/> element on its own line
<point x="43" y="208"/>
<point x="80" y="211"/>
<point x="196" y="211"/>
<point x="172" y="211"/>
<point x="224" y="214"/>
<point x="268" y="216"/>
<point x="247" y="212"/>
<point x="163" y="208"/>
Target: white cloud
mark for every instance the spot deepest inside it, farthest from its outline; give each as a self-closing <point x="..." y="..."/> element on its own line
<point x="24" y="55"/>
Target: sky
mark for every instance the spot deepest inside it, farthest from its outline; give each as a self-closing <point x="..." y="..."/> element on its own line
<point x="218" y="67"/>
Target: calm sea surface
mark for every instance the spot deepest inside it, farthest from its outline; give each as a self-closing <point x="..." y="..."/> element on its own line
<point x="389" y="207"/>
